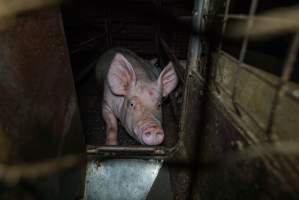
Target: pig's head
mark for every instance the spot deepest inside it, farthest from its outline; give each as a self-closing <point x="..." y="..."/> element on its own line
<point x="141" y="112"/>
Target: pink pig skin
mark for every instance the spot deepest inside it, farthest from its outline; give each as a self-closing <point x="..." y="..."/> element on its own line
<point x="132" y="91"/>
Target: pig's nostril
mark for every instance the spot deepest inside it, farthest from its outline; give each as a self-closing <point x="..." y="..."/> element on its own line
<point x="153" y="137"/>
<point x="159" y="133"/>
<point x="147" y="134"/>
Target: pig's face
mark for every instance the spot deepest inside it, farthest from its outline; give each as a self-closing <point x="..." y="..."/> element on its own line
<point x="141" y="113"/>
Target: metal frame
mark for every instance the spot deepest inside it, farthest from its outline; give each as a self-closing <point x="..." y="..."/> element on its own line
<point x="280" y="161"/>
<point x="159" y="152"/>
<point x="185" y="75"/>
<point x="287" y="67"/>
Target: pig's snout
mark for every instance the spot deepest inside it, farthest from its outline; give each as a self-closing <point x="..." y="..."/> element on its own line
<point x="153" y="136"/>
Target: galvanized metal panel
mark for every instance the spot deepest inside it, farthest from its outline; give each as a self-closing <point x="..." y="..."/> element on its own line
<point x="120" y="179"/>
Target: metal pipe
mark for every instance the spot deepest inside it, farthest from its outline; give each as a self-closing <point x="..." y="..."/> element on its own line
<point x="194" y="52"/>
<point x="225" y="18"/>
<point x="159" y="151"/>
<point x="252" y="11"/>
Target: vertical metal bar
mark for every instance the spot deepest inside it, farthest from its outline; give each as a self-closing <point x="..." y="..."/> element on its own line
<point x="195" y="45"/>
<point x="292" y="55"/>
<point x="194" y="52"/>
<point x="252" y="11"/>
<point x="286" y="74"/>
<point x="188" y="139"/>
<point x="225" y="18"/>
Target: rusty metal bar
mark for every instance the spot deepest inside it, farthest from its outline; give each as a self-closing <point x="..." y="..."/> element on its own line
<point x="252" y="11"/>
<point x="159" y="151"/>
<point x="144" y="152"/>
<point x="287" y="71"/>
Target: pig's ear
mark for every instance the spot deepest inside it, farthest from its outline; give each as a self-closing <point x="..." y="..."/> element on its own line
<point x="120" y="75"/>
<point x="168" y="79"/>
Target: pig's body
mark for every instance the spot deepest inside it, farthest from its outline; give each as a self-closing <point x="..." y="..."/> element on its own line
<point x="132" y="94"/>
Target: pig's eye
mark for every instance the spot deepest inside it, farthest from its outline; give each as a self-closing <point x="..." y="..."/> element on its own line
<point x="131" y="104"/>
<point x="159" y="105"/>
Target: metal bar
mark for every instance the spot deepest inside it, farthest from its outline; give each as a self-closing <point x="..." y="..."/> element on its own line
<point x="287" y="71"/>
<point x="127" y="149"/>
<point x="178" y="67"/>
<point x="225" y="18"/>
<point x="259" y="17"/>
<point x="289" y="65"/>
<point x="194" y="52"/>
<point x="252" y="11"/>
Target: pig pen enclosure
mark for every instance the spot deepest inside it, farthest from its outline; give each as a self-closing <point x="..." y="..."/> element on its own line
<point x="231" y="126"/>
<point x="114" y="24"/>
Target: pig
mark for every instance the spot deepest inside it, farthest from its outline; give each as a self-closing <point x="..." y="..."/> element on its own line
<point x="132" y="92"/>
